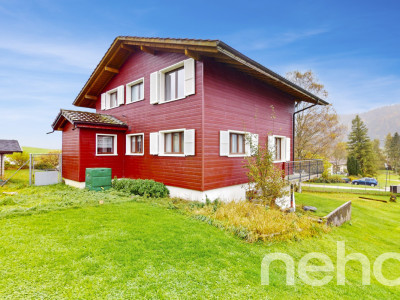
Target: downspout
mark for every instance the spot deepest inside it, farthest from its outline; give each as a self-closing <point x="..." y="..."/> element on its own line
<point x="294" y="123"/>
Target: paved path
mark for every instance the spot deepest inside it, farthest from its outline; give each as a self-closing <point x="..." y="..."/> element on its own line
<point x="350" y="187"/>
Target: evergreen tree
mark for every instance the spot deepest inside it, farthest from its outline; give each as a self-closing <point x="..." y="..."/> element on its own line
<point x="360" y="146"/>
<point x="388" y="149"/>
<point x="353" y="166"/>
<point x="395" y="152"/>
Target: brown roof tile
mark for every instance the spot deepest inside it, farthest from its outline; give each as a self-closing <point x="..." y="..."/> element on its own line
<point x="83" y="117"/>
<point x="9" y="146"/>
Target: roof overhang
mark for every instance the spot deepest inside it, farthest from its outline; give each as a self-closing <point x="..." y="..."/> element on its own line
<point x="62" y="118"/>
<point x="124" y="46"/>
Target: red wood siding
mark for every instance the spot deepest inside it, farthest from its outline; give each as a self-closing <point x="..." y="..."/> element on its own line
<point x="228" y="100"/>
<point x="235" y="101"/>
<point x="143" y="117"/>
<point x="70" y="152"/>
<point x="88" y="158"/>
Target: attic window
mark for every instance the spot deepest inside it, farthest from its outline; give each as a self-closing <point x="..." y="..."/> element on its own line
<point x="174" y="81"/>
<point x="135" y="91"/>
<point x="112" y="98"/>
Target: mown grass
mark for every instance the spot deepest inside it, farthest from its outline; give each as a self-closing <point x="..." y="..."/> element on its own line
<point x="139" y="248"/>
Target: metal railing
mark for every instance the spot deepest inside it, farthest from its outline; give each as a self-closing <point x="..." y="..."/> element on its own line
<point x="302" y="170"/>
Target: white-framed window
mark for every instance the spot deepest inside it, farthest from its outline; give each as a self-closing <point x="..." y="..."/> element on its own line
<point x="135" y="144"/>
<point x="173" y="83"/>
<point x="135" y="91"/>
<point x="279" y="146"/>
<point x="112" y="98"/>
<point x="175" y="142"/>
<point x="233" y="143"/>
<point x="106" y="144"/>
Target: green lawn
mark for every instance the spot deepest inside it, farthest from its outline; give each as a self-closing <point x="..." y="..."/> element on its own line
<point x="132" y="247"/>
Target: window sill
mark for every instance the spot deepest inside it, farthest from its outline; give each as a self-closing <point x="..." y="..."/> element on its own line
<point x="172" y="100"/>
<point x="237" y="155"/>
<point x="176" y="155"/>
<point x="106" y="154"/>
<point x="134" y="101"/>
<point x="135" y="154"/>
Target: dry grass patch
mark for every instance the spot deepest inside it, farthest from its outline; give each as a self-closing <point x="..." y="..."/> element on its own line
<point x="254" y="222"/>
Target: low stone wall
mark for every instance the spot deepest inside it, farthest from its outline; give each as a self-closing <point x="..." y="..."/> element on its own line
<point x="339" y="215"/>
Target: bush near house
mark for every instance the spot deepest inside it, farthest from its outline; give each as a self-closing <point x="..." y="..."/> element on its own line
<point x="141" y="187"/>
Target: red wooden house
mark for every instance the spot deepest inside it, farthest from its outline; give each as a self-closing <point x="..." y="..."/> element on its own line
<point x="177" y="111"/>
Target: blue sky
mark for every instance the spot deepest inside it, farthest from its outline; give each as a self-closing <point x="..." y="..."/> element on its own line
<point x="48" y="48"/>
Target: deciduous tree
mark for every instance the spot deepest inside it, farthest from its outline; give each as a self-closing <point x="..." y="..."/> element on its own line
<point x="317" y="129"/>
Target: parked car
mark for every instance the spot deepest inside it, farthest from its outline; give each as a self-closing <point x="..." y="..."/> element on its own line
<point x="346" y="180"/>
<point x="365" y="181"/>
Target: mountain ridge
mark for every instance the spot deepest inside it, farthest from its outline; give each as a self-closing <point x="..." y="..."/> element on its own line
<point x="380" y="121"/>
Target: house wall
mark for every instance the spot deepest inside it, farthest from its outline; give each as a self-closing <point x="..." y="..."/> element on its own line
<point x="88" y="158"/>
<point x="228" y="100"/>
<point x="70" y="152"/>
<point x="143" y="117"/>
<point x="236" y="101"/>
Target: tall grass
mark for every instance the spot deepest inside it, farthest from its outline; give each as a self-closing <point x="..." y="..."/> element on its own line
<point x="259" y="223"/>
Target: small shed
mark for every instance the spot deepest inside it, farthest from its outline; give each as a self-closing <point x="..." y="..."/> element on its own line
<point x="7" y="147"/>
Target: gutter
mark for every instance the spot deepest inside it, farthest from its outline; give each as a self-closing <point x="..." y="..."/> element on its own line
<point x="294" y="123"/>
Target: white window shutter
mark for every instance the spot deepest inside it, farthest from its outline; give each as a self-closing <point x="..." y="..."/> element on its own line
<point x="108" y="104"/>
<point x="128" y="144"/>
<point x="128" y="94"/>
<point x="271" y="145"/>
<point x="247" y="145"/>
<point x="103" y="101"/>
<point x="254" y="142"/>
<point x="224" y="143"/>
<point x="154" y="143"/>
<point x="120" y="95"/>
<point x="287" y="148"/>
<point x="190" y="82"/>
<point x="161" y="143"/>
<point x="154" y="88"/>
<point x="189" y="137"/>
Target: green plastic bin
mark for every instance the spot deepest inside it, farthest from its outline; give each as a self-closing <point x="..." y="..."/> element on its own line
<point x="98" y="179"/>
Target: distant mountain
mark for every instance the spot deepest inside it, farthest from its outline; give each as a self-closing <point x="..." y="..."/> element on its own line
<point x="380" y="121"/>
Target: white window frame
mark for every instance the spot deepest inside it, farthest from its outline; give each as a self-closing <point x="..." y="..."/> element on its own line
<point x="161" y="142"/>
<point x="115" y="144"/>
<point x="283" y="148"/>
<point x="245" y="141"/>
<point x="129" y="144"/>
<point x="129" y="92"/>
<point x="162" y="81"/>
<point x="157" y="92"/>
<point x="120" y="96"/>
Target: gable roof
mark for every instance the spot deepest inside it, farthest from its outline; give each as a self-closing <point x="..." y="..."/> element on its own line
<point x="124" y="46"/>
<point x="9" y="146"/>
<point x="85" y="118"/>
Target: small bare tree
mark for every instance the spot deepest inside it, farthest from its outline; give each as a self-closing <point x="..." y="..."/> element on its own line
<point x="266" y="180"/>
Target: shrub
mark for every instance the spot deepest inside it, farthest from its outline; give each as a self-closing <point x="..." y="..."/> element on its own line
<point x="328" y="179"/>
<point x="18" y="159"/>
<point x="141" y="187"/>
<point x="47" y="161"/>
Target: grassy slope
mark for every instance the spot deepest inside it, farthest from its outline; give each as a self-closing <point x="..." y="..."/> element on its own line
<point x="37" y="150"/>
<point x="133" y="249"/>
